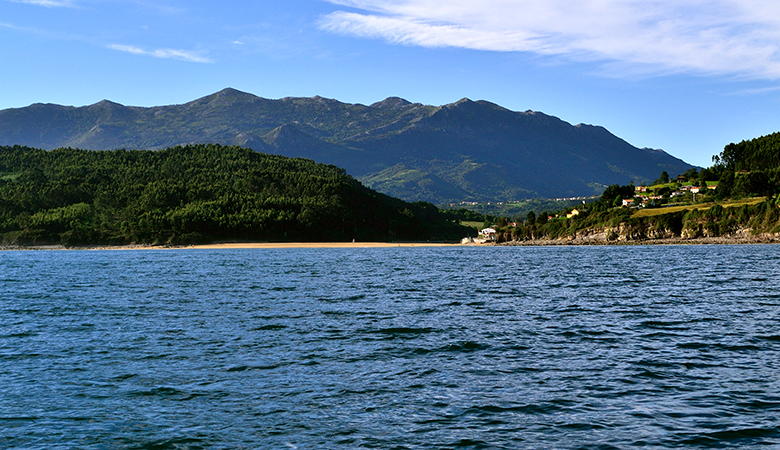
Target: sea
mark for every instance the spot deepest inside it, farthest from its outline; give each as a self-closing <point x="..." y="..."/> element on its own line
<point x="448" y="347"/>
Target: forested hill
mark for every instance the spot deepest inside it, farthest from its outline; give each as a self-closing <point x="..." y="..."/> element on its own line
<point x="467" y="150"/>
<point x="197" y="193"/>
<point x="761" y="153"/>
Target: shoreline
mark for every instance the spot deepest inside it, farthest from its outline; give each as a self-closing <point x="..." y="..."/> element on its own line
<point x="231" y="246"/>
<point x="734" y="240"/>
<point x="577" y="242"/>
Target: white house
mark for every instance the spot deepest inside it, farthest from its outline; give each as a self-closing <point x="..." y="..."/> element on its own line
<point x="488" y="233"/>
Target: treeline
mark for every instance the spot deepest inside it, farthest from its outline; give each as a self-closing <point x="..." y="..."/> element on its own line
<point x="519" y="208"/>
<point x="750" y="167"/>
<point x="468" y="215"/>
<point x="710" y="220"/>
<point x="198" y="193"/>
<point x="553" y="226"/>
<point x="762" y="153"/>
<point x="619" y="223"/>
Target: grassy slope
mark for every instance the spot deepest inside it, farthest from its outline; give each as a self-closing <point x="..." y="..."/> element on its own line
<point x="650" y="212"/>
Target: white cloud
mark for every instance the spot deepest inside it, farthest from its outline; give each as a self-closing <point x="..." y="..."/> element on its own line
<point x="164" y="53"/>
<point x="711" y="37"/>
<point x="757" y="91"/>
<point x="48" y="3"/>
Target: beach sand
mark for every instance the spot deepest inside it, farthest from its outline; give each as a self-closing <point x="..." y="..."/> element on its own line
<point x="315" y="245"/>
<point x="240" y="245"/>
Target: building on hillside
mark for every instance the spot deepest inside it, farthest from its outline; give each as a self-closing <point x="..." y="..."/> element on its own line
<point x="573" y="213"/>
<point x="651" y="199"/>
<point x="628" y="202"/>
<point x="488" y="234"/>
<point x="640" y="189"/>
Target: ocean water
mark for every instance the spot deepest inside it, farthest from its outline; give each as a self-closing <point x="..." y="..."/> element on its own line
<point x="566" y="347"/>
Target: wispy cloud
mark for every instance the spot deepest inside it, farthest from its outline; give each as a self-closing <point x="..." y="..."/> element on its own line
<point x="48" y="3"/>
<point x="709" y="37"/>
<point x="757" y="91"/>
<point x="46" y="33"/>
<point x="164" y="53"/>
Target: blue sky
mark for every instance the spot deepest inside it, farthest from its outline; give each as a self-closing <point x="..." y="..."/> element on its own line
<point x="685" y="76"/>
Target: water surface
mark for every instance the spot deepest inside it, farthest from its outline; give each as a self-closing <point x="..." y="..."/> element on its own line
<point x="566" y="347"/>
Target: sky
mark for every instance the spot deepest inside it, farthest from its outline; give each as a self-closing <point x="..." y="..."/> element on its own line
<point x="687" y="76"/>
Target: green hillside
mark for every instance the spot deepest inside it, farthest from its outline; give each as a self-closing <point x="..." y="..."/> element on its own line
<point x="738" y="196"/>
<point x="762" y="153"/>
<point x="197" y="193"/>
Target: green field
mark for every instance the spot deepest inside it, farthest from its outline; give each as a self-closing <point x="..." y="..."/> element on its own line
<point x="655" y="187"/>
<point x="467" y="223"/>
<point x="649" y="212"/>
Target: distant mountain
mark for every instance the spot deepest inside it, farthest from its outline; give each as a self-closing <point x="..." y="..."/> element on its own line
<point x="467" y="150"/>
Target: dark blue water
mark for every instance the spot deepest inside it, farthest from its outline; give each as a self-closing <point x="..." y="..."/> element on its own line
<point x="590" y="347"/>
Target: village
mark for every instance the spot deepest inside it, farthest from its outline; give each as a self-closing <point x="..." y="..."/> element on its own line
<point x="682" y="191"/>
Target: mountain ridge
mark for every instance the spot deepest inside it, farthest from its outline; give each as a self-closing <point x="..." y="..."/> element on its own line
<point x="464" y="150"/>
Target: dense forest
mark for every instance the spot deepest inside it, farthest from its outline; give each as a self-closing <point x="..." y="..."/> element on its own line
<point x="756" y="154"/>
<point x="197" y="193"/>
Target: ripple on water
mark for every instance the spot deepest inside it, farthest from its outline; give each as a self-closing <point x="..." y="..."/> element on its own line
<point x="594" y="347"/>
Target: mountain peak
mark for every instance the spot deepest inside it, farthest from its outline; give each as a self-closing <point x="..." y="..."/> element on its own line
<point x="325" y="100"/>
<point x="463" y="101"/>
<point x="391" y="102"/>
<point x="230" y="92"/>
<point x="469" y="106"/>
<point x="105" y="104"/>
<point x="227" y="96"/>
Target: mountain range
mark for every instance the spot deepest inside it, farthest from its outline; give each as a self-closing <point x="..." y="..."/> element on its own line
<point x="463" y="151"/>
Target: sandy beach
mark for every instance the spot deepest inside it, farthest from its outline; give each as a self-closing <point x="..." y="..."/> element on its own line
<point x="239" y="245"/>
<point x="314" y="245"/>
<point x="729" y="240"/>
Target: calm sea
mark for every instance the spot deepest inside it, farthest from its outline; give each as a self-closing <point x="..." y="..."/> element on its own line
<point x="574" y="347"/>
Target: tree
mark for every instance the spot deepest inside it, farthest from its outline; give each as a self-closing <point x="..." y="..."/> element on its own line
<point x="615" y="190"/>
<point x="725" y="185"/>
<point x="663" y="178"/>
<point x="691" y="174"/>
